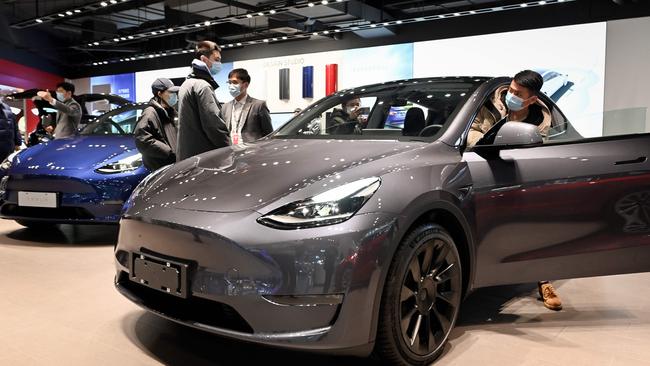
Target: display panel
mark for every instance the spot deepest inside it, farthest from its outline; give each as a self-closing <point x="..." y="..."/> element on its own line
<point x="308" y="82"/>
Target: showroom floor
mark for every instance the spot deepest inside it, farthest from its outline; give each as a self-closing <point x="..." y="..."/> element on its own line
<point x="58" y="307"/>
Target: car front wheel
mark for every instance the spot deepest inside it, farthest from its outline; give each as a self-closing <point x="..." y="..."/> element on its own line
<point x="421" y="298"/>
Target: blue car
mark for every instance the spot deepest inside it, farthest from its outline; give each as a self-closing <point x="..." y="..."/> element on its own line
<point x="83" y="179"/>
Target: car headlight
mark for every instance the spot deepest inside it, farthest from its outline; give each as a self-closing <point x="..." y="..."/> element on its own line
<point x="6" y="164"/>
<point x="123" y="165"/>
<point x="328" y="208"/>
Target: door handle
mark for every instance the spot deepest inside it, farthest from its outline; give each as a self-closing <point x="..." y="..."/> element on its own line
<point x="640" y="159"/>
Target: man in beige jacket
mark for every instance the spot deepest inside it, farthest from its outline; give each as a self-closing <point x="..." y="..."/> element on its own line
<point x="515" y="102"/>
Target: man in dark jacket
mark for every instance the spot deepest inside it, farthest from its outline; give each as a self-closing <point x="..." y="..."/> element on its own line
<point x="200" y="127"/>
<point x="9" y="134"/>
<point x="155" y="133"/>
<point x="68" y="113"/>
<point x="247" y="118"/>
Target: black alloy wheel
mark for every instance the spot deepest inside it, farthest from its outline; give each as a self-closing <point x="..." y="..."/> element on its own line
<point x="421" y="299"/>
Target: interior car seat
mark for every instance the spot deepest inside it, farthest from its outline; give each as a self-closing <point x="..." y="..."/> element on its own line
<point x="413" y="122"/>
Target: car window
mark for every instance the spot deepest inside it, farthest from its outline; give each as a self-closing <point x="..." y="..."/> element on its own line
<point x="121" y="123"/>
<point x="391" y="112"/>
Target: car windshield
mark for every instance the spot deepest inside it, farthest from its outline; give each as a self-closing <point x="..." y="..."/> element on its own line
<point x="408" y="109"/>
<point x="114" y="123"/>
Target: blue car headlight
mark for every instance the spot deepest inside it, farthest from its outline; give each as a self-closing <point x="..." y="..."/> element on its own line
<point x="330" y="207"/>
<point x="127" y="164"/>
<point x="6" y="164"/>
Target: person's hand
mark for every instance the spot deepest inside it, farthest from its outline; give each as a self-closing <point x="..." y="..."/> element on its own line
<point x="49" y="129"/>
<point x="45" y="95"/>
<point x="355" y="113"/>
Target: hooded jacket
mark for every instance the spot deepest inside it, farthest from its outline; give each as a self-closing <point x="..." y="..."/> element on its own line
<point x="200" y="128"/>
<point x="155" y="136"/>
<point x="494" y="110"/>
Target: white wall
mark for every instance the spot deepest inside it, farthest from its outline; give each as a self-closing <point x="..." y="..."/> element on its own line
<point x="577" y="51"/>
<point x="627" y="81"/>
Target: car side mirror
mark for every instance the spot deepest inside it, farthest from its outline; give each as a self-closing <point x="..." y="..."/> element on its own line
<point x="518" y="133"/>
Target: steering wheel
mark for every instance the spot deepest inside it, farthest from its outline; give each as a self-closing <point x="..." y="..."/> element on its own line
<point x="430" y="130"/>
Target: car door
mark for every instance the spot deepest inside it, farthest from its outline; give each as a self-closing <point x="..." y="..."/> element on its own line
<point x="567" y="208"/>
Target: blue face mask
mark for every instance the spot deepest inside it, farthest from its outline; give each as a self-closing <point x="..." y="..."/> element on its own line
<point x="60" y="97"/>
<point x="234" y="89"/>
<point x="514" y="103"/>
<point x="215" y="68"/>
<point x="173" y="99"/>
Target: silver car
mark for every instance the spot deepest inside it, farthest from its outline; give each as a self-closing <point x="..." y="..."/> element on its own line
<point x="336" y="234"/>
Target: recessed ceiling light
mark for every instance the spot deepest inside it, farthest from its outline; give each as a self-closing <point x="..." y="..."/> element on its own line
<point x="238" y="43"/>
<point x="68" y="12"/>
<point x="373" y="25"/>
<point x="472" y="12"/>
<point x="252" y="42"/>
<point x="523" y="5"/>
<point x="39" y="21"/>
<point x="150" y="56"/>
<point x="130" y="37"/>
<point x="326" y="32"/>
<point x="315" y="33"/>
<point x="77" y="11"/>
<point x="324" y="2"/>
<point x="266" y="39"/>
<point x="260" y="13"/>
<point x="271" y="11"/>
<point x="284" y="37"/>
<point x="96" y="43"/>
<point x="154" y="33"/>
<point x="94" y="63"/>
<point x="61" y="15"/>
<point x="311" y="4"/>
<point x="113" y="1"/>
<point x="116" y="39"/>
<point x="274" y="39"/>
<point x="103" y="3"/>
<point x="249" y="15"/>
<point x="398" y="22"/>
<point x="90" y="44"/>
<point x="170" y="30"/>
<point x="456" y="14"/>
<point x="542" y="3"/>
<point x="230" y="45"/>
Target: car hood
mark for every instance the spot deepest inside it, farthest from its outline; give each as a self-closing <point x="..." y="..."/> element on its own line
<point x="73" y="153"/>
<point x="244" y="178"/>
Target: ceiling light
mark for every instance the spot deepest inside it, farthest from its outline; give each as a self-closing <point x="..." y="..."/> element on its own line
<point x="249" y="15"/>
<point x="96" y="43"/>
<point x="326" y="32"/>
<point x="130" y="37"/>
<point x="456" y="14"/>
<point x="523" y="5"/>
<point x="150" y="56"/>
<point x="230" y="45"/>
<point x="266" y="40"/>
<point x="398" y="22"/>
<point x="315" y="33"/>
<point x="170" y="30"/>
<point x="271" y="11"/>
<point x="164" y="54"/>
<point x="103" y="3"/>
<point x="154" y="33"/>
<point x="311" y="4"/>
<point x="39" y="21"/>
<point x="68" y="12"/>
<point x="441" y="16"/>
<point x="542" y="3"/>
<point x="113" y="1"/>
<point x="116" y="39"/>
<point x="198" y="25"/>
<point x="373" y="25"/>
<point x="472" y="12"/>
<point x="77" y="11"/>
<point x="61" y="15"/>
<point x="385" y="24"/>
<point x="90" y="44"/>
<point x="324" y="2"/>
<point x="252" y="42"/>
<point x="94" y="63"/>
<point x="260" y="13"/>
<point x="284" y="37"/>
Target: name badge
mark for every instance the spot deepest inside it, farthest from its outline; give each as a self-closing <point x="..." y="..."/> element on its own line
<point x="235" y="138"/>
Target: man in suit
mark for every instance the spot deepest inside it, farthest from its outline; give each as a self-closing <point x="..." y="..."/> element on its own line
<point x="247" y="118"/>
<point x="68" y="113"/>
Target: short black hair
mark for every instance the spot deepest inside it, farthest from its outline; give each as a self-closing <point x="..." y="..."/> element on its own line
<point x="240" y="74"/>
<point x="205" y="48"/>
<point x="66" y="86"/>
<point x="529" y="79"/>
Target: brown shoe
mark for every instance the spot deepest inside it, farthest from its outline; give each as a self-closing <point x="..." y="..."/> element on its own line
<point x="548" y="295"/>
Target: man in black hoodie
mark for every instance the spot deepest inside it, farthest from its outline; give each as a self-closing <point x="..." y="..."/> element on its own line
<point x="155" y="133"/>
<point x="200" y="127"/>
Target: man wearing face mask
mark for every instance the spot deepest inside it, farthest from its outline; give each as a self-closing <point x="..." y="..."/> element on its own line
<point x="348" y="119"/>
<point x="200" y="127"/>
<point x="515" y="102"/>
<point x="155" y="133"/>
<point x="68" y="113"/>
<point x="247" y="118"/>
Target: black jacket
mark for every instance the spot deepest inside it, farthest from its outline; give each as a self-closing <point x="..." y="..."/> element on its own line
<point x="155" y="136"/>
<point x="9" y="134"/>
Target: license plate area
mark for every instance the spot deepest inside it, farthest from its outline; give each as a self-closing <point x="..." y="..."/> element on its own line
<point x="159" y="274"/>
<point x="38" y="199"/>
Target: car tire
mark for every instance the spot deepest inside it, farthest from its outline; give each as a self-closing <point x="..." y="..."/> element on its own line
<point x="418" y="311"/>
<point x="36" y="225"/>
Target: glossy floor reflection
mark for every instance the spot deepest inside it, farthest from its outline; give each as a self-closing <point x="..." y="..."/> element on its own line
<point x="58" y="306"/>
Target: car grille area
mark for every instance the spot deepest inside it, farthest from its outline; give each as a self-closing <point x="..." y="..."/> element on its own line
<point x="190" y="310"/>
<point x="62" y="213"/>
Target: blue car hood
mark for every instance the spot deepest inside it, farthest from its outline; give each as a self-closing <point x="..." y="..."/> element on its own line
<point x="73" y="153"/>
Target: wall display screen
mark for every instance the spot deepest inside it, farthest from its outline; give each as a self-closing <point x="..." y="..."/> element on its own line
<point x="121" y="84"/>
<point x="308" y="82"/>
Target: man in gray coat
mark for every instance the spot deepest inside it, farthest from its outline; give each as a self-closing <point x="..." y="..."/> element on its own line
<point x="200" y="127"/>
<point x="68" y="113"/>
<point x="247" y="118"/>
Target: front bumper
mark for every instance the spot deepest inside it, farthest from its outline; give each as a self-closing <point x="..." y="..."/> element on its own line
<point x="313" y="289"/>
<point x="97" y="201"/>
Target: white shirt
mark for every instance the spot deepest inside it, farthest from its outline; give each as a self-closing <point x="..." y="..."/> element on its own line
<point x="236" y="122"/>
